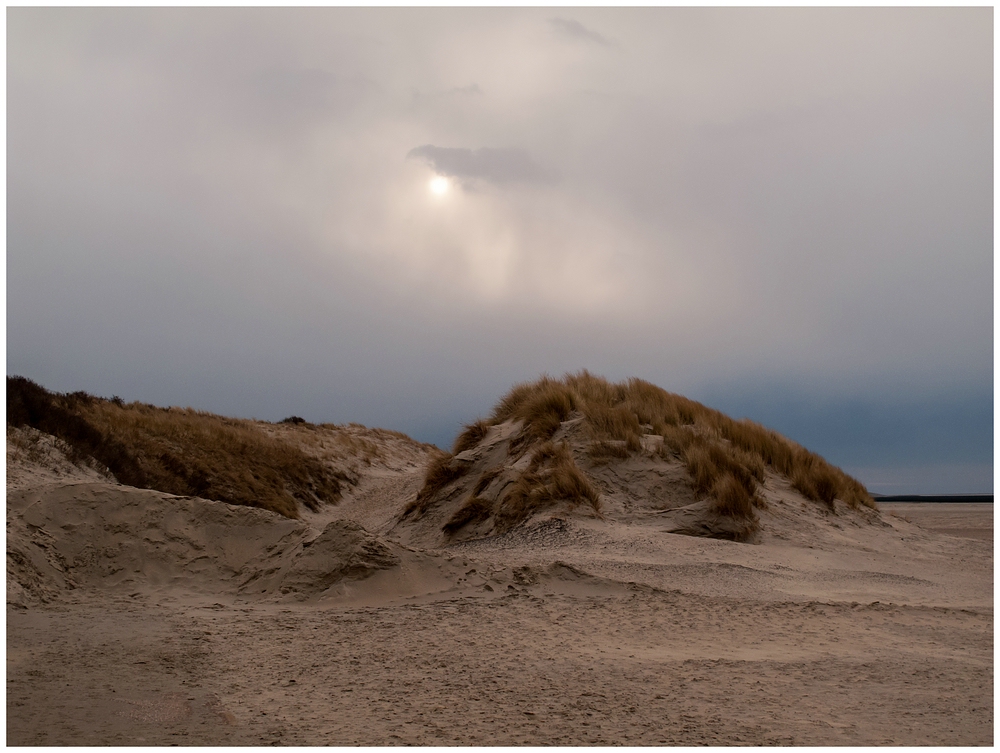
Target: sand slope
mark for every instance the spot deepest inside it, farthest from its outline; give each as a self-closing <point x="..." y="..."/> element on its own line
<point x="105" y="538"/>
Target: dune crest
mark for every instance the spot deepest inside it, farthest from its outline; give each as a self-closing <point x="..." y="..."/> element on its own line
<point x="585" y="446"/>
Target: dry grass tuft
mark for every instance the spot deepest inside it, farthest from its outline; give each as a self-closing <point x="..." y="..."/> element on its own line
<point x="542" y="406"/>
<point x="179" y="450"/>
<point x="602" y="451"/>
<point x="709" y="465"/>
<point x="815" y="481"/>
<point x="472" y="435"/>
<point x="440" y="473"/>
<point x="615" y="422"/>
<point x="731" y="498"/>
<point x="551" y="477"/>
<point x="473" y="511"/>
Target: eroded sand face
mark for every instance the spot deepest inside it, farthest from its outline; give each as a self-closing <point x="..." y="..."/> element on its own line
<point x="571" y="631"/>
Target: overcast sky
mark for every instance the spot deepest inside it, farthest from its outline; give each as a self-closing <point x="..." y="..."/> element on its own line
<point x="783" y="213"/>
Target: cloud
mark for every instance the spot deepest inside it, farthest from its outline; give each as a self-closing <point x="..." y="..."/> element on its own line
<point x="799" y="197"/>
<point x="286" y="96"/>
<point x="570" y="29"/>
<point x="450" y="96"/>
<point x="470" y="90"/>
<point x="305" y="87"/>
<point x="492" y="165"/>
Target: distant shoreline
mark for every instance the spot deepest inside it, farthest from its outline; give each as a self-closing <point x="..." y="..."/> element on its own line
<point x="981" y="498"/>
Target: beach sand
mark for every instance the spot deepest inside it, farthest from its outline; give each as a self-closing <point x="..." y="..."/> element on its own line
<point x="137" y="618"/>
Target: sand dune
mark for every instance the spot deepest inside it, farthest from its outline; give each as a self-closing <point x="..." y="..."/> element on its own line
<point x="139" y="617"/>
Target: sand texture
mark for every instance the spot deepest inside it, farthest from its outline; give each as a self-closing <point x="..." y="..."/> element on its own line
<point x="140" y="618"/>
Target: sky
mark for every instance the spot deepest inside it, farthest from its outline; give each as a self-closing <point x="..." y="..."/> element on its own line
<point x="390" y="216"/>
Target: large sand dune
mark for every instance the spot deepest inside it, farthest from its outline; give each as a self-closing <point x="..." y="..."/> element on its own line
<point x="139" y="617"/>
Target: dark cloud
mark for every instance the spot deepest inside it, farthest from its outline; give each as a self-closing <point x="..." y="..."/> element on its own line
<point x="570" y="29"/>
<point x="885" y="439"/>
<point x="492" y="165"/>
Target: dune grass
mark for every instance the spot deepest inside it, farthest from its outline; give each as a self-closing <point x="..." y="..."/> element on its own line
<point x="718" y="451"/>
<point x="441" y="471"/>
<point x="551" y="477"/>
<point x="470" y="437"/>
<point x="731" y="499"/>
<point x="28" y="445"/>
<point x="179" y="450"/>
<point x="474" y="510"/>
<point x="333" y="443"/>
<point x="603" y="450"/>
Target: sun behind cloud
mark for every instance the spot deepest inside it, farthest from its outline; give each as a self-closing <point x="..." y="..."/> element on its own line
<point x="439" y="185"/>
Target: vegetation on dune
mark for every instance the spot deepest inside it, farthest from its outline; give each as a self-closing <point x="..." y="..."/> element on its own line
<point x="441" y="472"/>
<point x="341" y="445"/>
<point x="714" y="467"/>
<point x="473" y="434"/>
<point x="712" y="443"/>
<point x="29" y="446"/>
<point x="725" y="458"/>
<point x="602" y="451"/>
<point x="179" y="450"/>
<point x="281" y="466"/>
<point x="551" y="477"/>
<point x="474" y="510"/>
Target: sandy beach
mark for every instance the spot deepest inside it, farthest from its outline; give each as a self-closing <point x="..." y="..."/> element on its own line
<point x="571" y="631"/>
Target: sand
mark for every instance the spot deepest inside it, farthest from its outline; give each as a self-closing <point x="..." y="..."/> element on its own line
<point x="138" y="618"/>
<point x="963" y="519"/>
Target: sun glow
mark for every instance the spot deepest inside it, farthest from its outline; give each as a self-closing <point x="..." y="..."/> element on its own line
<point x="439" y="185"/>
